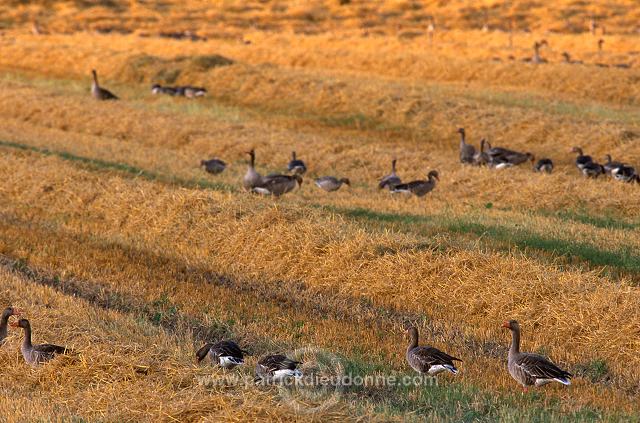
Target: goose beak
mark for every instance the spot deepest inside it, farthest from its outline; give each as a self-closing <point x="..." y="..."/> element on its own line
<point x="506" y="325"/>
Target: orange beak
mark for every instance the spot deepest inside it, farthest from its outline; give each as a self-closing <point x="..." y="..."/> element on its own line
<point x="506" y="325"/>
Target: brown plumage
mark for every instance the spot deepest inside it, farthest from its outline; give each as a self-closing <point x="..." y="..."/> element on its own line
<point x="226" y="354"/>
<point x="39" y="353"/>
<point x="98" y="92"/>
<point x="530" y="369"/>
<point x="428" y="360"/>
<point x="419" y="188"/>
<point x="276" y="367"/>
<point x="391" y="180"/>
<point x="278" y="185"/>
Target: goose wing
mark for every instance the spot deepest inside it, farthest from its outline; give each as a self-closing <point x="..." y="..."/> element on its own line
<point x="540" y="367"/>
<point x="431" y="356"/>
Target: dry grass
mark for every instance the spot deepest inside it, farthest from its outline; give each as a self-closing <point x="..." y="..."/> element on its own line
<point x="146" y="256"/>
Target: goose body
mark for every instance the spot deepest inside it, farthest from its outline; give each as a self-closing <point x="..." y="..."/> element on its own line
<point x="276" y="367"/>
<point x="624" y="173"/>
<point x="213" y="166"/>
<point x="98" y="92"/>
<point x="543" y="165"/>
<point x="251" y="178"/>
<point x="296" y="166"/>
<point x="610" y="166"/>
<point x="428" y="360"/>
<point x="581" y="160"/>
<point x="192" y="92"/>
<point x="331" y="183"/>
<point x="278" y="185"/>
<point x="530" y="369"/>
<point x="159" y="89"/>
<point x="419" y="188"/>
<point x="467" y="151"/>
<point x="39" y="353"/>
<point x="226" y="354"/>
<point x="592" y="170"/>
<point x="4" y="321"/>
<point x="391" y="180"/>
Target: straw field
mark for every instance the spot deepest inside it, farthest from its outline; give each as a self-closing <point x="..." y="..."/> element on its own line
<point x="117" y="244"/>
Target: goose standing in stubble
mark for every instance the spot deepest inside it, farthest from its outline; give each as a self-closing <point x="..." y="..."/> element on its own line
<point x="98" y="92"/>
<point x="419" y="188"/>
<point x="278" y="185"/>
<point x="467" y="151"/>
<point x="252" y="178"/>
<point x="226" y="354"/>
<point x="609" y="166"/>
<point x="214" y="166"/>
<point x="39" y="353"/>
<point x="581" y="159"/>
<point x="4" y="321"/>
<point x="331" y="183"/>
<point x="391" y="180"/>
<point x="296" y="165"/>
<point x="531" y="369"/>
<point x="428" y="360"/>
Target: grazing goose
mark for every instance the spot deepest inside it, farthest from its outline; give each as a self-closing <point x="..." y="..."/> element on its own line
<point x="391" y="180"/>
<point x="296" y="166"/>
<point x="252" y="178"/>
<point x="610" y="166"/>
<point x="40" y="353"/>
<point x="567" y="59"/>
<point x="624" y="173"/>
<point x="467" y="151"/>
<point x="276" y="367"/>
<point x="226" y="354"/>
<point x="592" y="170"/>
<point x="530" y="369"/>
<point x="543" y="165"/>
<point x="428" y="360"/>
<point x="213" y="166"/>
<point x="278" y="185"/>
<point x="98" y="92"/>
<point x="419" y="188"/>
<point x="159" y="89"/>
<point x="4" y="321"/>
<point x="331" y="183"/>
<point x="581" y="160"/>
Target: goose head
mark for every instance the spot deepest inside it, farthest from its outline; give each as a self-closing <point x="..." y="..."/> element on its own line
<point x="577" y="150"/>
<point x="11" y="311"/>
<point x="345" y="181"/>
<point x="460" y="131"/>
<point x="511" y="325"/>
<point x="433" y="174"/>
<point x="22" y="323"/>
<point x="566" y="56"/>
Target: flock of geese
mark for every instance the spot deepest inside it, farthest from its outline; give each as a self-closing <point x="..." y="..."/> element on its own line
<point x="500" y="158"/>
<point x="528" y="369"/>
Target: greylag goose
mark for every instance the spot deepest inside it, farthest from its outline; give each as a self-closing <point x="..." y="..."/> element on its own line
<point x="391" y="180"/>
<point x="252" y="178"/>
<point x="213" y="166"/>
<point x="193" y="92"/>
<point x="276" y="367"/>
<point x="278" y="185"/>
<point x="296" y="166"/>
<point x="519" y="158"/>
<point x="226" y="354"/>
<point x="624" y="173"/>
<point x="530" y="369"/>
<point x="428" y="360"/>
<point x="542" y="165"/>
<point x="537" y="59"/>
<point x="4" y="321"/>
<point x="592" y="170"/>
<point x="419" y="188"/>
<point x="581" y="160"/>
<point x="98" y="92"/>
<point x="159" y="89"/>
<point x="39" y="353"/>
<point x="567" y="59"/>
<point x="610" y="166"/>
<point x="467" y="151"/>
<point x="331" y="183"/>
<point x="481" y="157"/>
